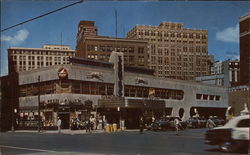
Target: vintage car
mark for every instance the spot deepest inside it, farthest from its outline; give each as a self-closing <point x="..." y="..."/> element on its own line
<point x="196" y="122"/>
<point x="233" y="136"/>
<point x="167" y="123"/>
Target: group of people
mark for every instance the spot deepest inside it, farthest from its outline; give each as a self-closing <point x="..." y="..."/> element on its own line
<point x="92" y="124"/>
<point x="177" y="125"/>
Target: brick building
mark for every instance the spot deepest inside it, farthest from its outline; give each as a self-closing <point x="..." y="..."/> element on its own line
<point x="91" y="46"/>
<point x="245" y="49"/>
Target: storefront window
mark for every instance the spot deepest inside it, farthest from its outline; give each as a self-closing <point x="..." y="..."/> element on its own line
<point x="76" y="87"/>
<point x="64" y="84"/>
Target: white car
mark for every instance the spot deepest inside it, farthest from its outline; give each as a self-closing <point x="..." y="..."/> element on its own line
<point x="233" y="136"/>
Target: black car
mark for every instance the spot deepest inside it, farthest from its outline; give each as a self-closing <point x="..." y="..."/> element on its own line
<point x="196" y="122"/>
<point x="167" y="123"/>
<point x="218" y="121"/>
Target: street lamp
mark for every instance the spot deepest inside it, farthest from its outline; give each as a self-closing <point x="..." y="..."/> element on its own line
<point x="120" y="117"/>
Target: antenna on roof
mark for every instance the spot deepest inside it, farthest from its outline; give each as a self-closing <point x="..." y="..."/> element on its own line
<point x="115" y="30"/>
<point x="61" y="40"/>
<point x="115" y="23"/>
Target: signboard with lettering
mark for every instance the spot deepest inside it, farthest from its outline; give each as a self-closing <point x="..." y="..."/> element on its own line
<point x="62" y="73"/>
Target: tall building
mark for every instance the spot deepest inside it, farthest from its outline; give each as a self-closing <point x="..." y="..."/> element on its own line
<point x="24" y="59"/>
<point x="226" y="73"/>
<point x="91" y="46"/>
<point x="86" y="28"/>
<point x="174" y="51"/>
<point x="245" y="49"/>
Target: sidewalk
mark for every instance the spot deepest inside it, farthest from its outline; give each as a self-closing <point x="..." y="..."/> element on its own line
<point x="63" y="131"/>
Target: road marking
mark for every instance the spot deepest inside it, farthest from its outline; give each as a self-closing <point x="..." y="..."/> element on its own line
<point x="29" y="149"/>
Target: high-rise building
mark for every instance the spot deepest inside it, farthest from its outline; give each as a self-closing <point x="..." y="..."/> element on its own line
<point x="226" y="73"/>
<point x="91" y="46"/>
<point x="24" y="59"/>
<point x="245" y="49"/>
<point x="174" y="51"/>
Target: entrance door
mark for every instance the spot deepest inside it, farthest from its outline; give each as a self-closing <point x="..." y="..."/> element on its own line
<point x="65" y="120"/>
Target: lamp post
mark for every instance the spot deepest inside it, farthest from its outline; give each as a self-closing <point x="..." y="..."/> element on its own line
<point x="120" y="117"/>
<point x="39" y="121"/>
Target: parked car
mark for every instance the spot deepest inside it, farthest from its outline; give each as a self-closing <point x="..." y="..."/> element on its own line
<point x="167" y="123"/>
<point x="196" y="122"/>
<point x="231" y="137"/>
<point x="218" y="121"/>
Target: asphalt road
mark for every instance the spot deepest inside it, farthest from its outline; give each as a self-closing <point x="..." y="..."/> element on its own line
<point x="190" y="141"/>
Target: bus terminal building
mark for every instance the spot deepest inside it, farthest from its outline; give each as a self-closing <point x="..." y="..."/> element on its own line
<point x="112" y="90"/>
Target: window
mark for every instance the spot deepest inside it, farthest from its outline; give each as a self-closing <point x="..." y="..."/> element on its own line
<point x="211" y="97"/>
<point x="217" y="98"/>
<point x="198" y="96"/>
<point x="76" y="87"/>
<point x="244" y="123"/>
<point x="131" y="58"/>
<point x="140" y="50"/>
<point x="64" y="84"/>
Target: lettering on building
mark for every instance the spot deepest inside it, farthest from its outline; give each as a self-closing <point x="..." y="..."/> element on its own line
<point x="95" y="75"/>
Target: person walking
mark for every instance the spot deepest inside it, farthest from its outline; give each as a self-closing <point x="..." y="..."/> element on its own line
<point x="141" y="125"/>
<point x="59" y="123"/>
<point x="210" y="123"/>
<point x="176" y="125"/>
<point x="88" y="126"/>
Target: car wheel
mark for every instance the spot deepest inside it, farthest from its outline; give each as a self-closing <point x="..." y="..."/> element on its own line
<point x="227" y="146"/>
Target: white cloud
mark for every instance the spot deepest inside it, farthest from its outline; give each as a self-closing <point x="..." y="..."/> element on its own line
<point x="233" y="57"/>
<point x="230" y="34"/>
<point x="18" y="38"/>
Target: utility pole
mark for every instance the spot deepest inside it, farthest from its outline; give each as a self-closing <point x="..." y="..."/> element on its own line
<point x="39" y="120"/>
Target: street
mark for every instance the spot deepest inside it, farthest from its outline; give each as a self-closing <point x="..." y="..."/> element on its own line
<point x="190" y="141"/>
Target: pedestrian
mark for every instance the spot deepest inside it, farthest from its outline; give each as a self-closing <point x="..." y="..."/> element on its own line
<point x="210" y="123"/>
<point x="176" y="125"/>
<point x="88" y="126"/>
<point x="153" y="119"/>
<point x="141" y="125"/>
<point x="59" y="123"/>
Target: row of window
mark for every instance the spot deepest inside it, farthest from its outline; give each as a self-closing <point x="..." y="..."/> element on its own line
<point x="42" y="52"/>
<point x="172" y="34"/>
<point x="173" y="41"/>
<point x="39" y="58"/>
<point x="207" y="97"/>
<point x="97" y="88"/>
<point x="141" y="50"/>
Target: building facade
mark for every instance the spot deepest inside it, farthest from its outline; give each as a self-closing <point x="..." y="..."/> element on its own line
<point x="239" y="97"/>
<point x="64" y="90"/>
<point x="91" y="46"/>
<point x="226" y="73"/>
<point x="85" y="28"/>
<point x="9" y="102"/>
<point x="174" y="51"/>
<point x="100" y="48"/>
<point x="24" y="59"/>
<point x="244" y="49"/>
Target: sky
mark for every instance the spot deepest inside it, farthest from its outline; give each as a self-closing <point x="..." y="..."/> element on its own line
<point x="221" y="19"/>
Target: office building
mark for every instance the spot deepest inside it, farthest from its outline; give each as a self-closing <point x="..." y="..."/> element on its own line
<point x="24" y="59"/>
<point x="174" y="51"/>
<point x="91" y="46"/>
<point x="226" y="73"/>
